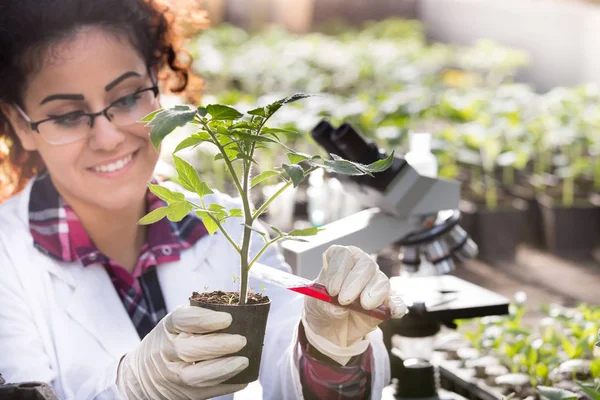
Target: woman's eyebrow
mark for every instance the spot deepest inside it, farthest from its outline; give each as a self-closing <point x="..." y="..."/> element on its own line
<point x="121" y="78"/>
<point x="62" y="97"/>
<point x="80" y="96"/>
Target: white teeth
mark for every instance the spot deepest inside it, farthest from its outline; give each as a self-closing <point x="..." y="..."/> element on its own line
<point x="114" y="166"/>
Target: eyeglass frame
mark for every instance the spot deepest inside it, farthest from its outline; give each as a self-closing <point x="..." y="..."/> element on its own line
<point x="35" y="124"/>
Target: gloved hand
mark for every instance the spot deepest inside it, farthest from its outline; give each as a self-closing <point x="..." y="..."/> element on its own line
<point x="181" y="359"/>
<point x="349" y="273"/>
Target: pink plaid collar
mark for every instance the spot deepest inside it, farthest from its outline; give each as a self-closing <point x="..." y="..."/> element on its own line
<point x="57" y="231"/>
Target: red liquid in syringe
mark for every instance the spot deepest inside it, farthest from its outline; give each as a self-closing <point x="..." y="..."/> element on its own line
<point x="318" y="291"/>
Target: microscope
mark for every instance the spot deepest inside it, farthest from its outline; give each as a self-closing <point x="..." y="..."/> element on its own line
<point x="420" y="215"/>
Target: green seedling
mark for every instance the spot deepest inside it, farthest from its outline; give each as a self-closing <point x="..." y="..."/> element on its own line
<point x="238" y="138"/>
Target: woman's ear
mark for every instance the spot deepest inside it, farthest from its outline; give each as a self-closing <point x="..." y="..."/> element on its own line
<point x="20" y="126"/>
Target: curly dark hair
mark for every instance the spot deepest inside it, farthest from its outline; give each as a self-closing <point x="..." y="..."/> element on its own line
<point x="28" y="28"/>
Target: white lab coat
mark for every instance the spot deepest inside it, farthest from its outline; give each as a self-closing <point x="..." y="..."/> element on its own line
<point x="64" y="324"/>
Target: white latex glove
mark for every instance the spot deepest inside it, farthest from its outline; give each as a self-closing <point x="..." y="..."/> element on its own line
<point x="349" y="273"/>
<point x="181" y="359"/>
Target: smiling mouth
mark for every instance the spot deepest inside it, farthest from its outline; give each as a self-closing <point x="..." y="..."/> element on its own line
<point x="115" y="166"/>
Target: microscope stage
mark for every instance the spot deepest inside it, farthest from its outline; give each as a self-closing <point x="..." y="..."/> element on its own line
<point x="447" y="297"/>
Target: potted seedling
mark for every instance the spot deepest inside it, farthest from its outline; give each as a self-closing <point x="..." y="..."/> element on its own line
<point x="570" y="220"/>
<point x="498" y="217"/>
<point x="238" y="137"/>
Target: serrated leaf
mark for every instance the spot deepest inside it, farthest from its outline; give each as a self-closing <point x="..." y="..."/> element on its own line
<point x="167" y="120"/>
<point x="165" y="194"/>
<point x="296" y="158"/>
<point x="191" y="141"/>
<point x="556" y="394"/>
<point x="236" y="212"/>
<point x="343" y="167"/>
<point x="295" y="172"/>
<point x="210" y="225"/>
<point x="260" y="111"/>
<point x="154" y="216"/>
<point x="381" y="165"/>
<point x="218" y="211"/>
<point x="188" y="177"/>
<point x="177" y="211"/>
<point x="262" y="176"/>
<point x="222" y="112"/>
<point x="294" y="97"/>
<point x="305" y="232"/>
<point x="242" y="125"/>
<point x="149" y="117"/>
<point x="247" y="137"/>
<point x="270" y="131"/>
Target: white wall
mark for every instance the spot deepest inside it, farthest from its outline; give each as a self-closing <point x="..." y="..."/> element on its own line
<point x="562" y="36"/>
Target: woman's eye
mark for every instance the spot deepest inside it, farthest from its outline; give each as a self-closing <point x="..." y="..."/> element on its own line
<point x="127" y="101"/>
<point x="69" y="120"/>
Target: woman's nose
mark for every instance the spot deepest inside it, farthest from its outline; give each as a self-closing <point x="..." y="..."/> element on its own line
<point x="104" y="135"/>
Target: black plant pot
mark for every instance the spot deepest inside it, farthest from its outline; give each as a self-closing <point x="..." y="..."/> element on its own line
<point x="570" y="232"/>
<point x="498" y="232"/>
<point x="249" y="320"/>
<point x="531" y="229"/>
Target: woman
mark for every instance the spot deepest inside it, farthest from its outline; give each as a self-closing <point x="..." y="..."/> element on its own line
<point x="90" y="301"/>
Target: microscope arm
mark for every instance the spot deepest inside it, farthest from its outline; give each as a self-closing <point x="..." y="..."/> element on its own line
<point x="371" y="230"/>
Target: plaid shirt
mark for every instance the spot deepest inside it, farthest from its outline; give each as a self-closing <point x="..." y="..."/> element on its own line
<point x="58" y="233"/>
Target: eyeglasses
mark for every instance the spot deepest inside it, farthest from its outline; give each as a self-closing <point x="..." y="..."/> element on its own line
<point x="77" y="125"/>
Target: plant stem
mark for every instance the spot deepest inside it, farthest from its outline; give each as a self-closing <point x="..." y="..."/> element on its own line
<point x="234" y="176"/>
<point x="264" y="248"/>
<point x="276" y="194"/>
<point x="216" y="220"/>
<point x="491" y="199"/>
<point x="247" y="235"/>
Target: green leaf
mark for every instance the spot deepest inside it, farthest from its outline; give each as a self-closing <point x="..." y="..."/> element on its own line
<point x="193" y="140"/>
<point x="221" y="112"/>
<point x="381" y="165"/>
<point x="248" y="137"/>
<point x="218" y="211"/>
<point x="202" y="111"/>
<point x="236" y="212"/>
<point x="296" y="158"/>
<point x="273" y="107"/>
<point x="556" y="394"/>
<point x="262" y="176"/>
<point x="242" y="125"/>
<point x="188" y="177"/>
<point x="154" y="216"/>
<point x="305" y="232"/>
<point x="272" y="131"/>
<point x="210" y="225"/>
<point x="344" y="167"/>
<point x="165" y="194"/>
<point x="177" y="211"/>
<point x="589" y="391"/>
<point x="295" y="172"/>
<point x="149" y="117"/>
<point x="167" y="120"/>
<point x="260" y="111"/>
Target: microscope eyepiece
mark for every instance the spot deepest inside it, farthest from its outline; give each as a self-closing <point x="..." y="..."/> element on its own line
<point x="322" y="135"/>
<point x="354" y="146"/>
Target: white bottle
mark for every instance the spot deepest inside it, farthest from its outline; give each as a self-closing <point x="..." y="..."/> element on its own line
<point x="420" y="157"/>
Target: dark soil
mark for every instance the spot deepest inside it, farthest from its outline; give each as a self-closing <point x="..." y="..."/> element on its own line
<point x="233" y="298"/>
